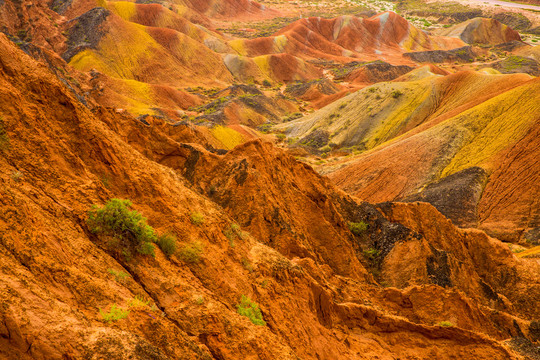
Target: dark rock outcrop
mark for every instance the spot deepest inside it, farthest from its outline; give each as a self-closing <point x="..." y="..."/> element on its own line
<point x="462" y="54"/>
<point x="456" y="196"/>
<point x="86" y="33"/>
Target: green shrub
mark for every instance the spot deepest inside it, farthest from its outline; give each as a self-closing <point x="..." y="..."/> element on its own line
<point x="197" y="218"/>
<point x="167" y="244"/>
<point x="445" y="324"/>
<point x="326" y="148"/>
<point x="396" y="94"/>
<point x="371" y="253"/>
<point x="233" y="232"/>
<point x="138" y="302"/>
<point x="266" y="83"/>
<point x="128" y="227"/>
<point x="358" y="228"/>
<point x="192" y="252"/>
<point x="250" y="310"/>
<point x="116" y="313"/>
<point x="199" y="300"/>
<point x="120" y="276"/>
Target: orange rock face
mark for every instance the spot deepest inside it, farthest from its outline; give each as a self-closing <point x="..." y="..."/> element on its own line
<point x="310" y="276"/>
<point x="333" y="277"/>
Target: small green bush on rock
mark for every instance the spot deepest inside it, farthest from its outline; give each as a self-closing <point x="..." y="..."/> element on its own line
<point x="251" y="310"/>
<point x="167" y="244"/>
<point x="445" y="324"/>
<point x="197" y="218"/>
<point x="358" y="228"/>
<point x="116" y="313"/>
<point x="126" y="226"/>
<point x="192" y="252"/>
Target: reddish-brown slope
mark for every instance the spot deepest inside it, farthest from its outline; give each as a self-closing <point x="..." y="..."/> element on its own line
<point x="385" y="36"/>
<point x="514" y="189"/>
<point x="35" y="23"/>
<point x="54" y="275"/>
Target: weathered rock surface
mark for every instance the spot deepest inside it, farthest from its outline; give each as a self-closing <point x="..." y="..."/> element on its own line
<point x="301" y="264"/>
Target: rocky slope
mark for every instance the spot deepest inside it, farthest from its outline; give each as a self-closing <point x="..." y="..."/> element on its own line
<point x="426" y="139"/>
<point x="318" y="285"/>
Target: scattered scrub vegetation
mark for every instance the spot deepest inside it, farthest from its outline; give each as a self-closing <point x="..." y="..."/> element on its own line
<point x="445" y="324"/>
<point x="251" y="310"/>
<point x="127" y="227"/>
<point x="138" y="302"/>
<point x="233" y="232"/>
<point x="358" y="228"/>
<point x="197" y="218"/>
<point x="293" y="116"/>
<point x="119" y="276"/>
<point x="371" y="253"/>
<point x="192" y="252"/>
<point x="265" y="128"/>
<point x="199" y="300"/>
<point x="115" y="313"/>
<point x="167" y="244"/>
<point x="396" y="94"/>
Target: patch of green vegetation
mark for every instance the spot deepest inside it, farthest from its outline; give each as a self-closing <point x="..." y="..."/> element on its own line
<point x="138" y="302"/>
<point x="425" y="23"/>
<point x="191" y="253"/>
<point x="199" y="300"/>
<point x="251" y="310"/>
<point x="293" y="116"/>
<point x="396" y="94"/>
<point x="114" y="314"/>
<point x="358" y="228"/>
<point x="445" y="324"/>
<point x="233" y="232"/>
<point x="167" y="244"/>
<point x="119" y="276"/>
<point x="197" y="218"/>
<point x="265" y="128"/>
<point x="371" y="253"/>
<point x="326" y="149"/>
<point x="513" y="62"/>
<point x="128" y="228"/>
